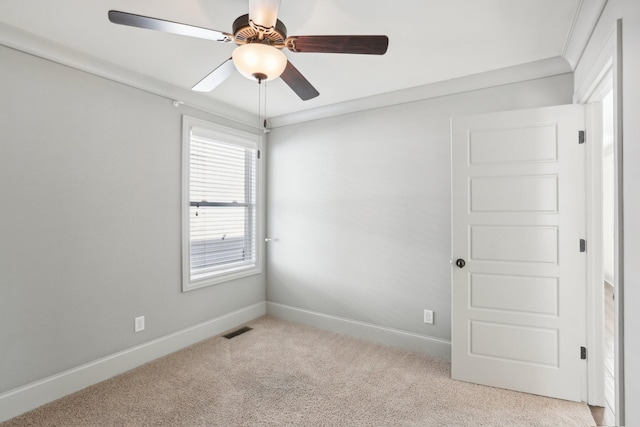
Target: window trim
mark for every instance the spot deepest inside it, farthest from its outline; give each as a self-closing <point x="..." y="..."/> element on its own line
<point x="236" y="137"/>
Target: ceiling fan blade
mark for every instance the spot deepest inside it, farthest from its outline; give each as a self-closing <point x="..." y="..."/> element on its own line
<point x="264" y="13"/>
<point x="132" y="20"/>
<point x="368" y="45"/>
<point x="217" y="76"/>
<point x="296" y="81"/>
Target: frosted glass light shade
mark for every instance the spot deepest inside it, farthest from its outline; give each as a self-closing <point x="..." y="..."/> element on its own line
<point x="264" y="12"/>
<point x="259" y="61"/>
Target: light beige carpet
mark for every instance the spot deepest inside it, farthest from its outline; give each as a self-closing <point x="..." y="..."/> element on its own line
<point x="285" y="374"/>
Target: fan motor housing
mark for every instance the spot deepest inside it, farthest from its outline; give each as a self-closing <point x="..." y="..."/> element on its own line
<point x="244" y="32"/>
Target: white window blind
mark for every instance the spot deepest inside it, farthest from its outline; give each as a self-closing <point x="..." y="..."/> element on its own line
<point x="222" y="219"/>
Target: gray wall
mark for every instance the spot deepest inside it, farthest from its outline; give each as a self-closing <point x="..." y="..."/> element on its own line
<point x="629" y="12"/>
<point x="90" y="221"/>
<point x="360" y="204"/>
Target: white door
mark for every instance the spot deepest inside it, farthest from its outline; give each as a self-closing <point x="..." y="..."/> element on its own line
<point x="518" y="206"/>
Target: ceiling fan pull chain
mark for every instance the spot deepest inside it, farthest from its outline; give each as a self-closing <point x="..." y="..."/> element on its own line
<point x="259" y="106"/>
<point x="264" y="122"/>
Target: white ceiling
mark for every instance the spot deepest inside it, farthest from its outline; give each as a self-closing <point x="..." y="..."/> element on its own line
<point x="430" y="41"/>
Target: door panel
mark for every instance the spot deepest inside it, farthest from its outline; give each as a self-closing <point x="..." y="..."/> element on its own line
<point x="518" y="208"/>
<point x="527" y="345"/>
<point x="514" y="243"/>
<point x="514" y="193"/>
<point x="526" y="144"/>
<point x="514" y="293"/>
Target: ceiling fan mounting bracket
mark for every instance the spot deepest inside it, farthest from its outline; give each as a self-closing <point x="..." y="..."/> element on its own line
<point x="245" y="32"/>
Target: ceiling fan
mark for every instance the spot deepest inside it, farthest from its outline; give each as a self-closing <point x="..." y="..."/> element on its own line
<point x="260" y="37"/>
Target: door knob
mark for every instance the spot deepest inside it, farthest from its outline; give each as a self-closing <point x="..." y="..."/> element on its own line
<point x="460" y="262"/>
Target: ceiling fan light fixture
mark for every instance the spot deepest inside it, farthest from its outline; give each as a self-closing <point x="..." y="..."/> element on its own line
<point x="258" y="61"/>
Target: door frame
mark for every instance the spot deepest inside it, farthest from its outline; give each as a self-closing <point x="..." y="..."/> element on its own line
<point x="606" y="74"/>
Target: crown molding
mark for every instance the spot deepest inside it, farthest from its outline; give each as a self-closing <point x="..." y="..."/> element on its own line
<point x="518" y="73"/>
<point x="29" y="43"/>
<point x="584" y="22"/>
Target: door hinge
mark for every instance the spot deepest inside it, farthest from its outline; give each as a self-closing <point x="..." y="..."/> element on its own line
<point x="583" y="353"/>
<point x="258" y="153"/>
<point x="583" y="245"/>
<point x="581" y="137"/>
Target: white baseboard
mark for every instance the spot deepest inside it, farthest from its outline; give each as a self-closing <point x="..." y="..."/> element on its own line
<point x="368" y="331"/>
<point x="28" y="397"/>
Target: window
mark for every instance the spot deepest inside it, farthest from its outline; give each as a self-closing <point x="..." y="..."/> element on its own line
<point x="220" y="219"/>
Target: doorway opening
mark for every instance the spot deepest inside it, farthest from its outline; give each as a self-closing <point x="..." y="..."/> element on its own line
<point x="601" y="91"/>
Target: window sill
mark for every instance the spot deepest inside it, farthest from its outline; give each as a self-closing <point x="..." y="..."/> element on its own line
<point x="190" y="285"/>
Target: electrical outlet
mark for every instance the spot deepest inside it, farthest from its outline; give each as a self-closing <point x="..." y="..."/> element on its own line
<point x="428" y="316"/>
<point x="139" y="324"/>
